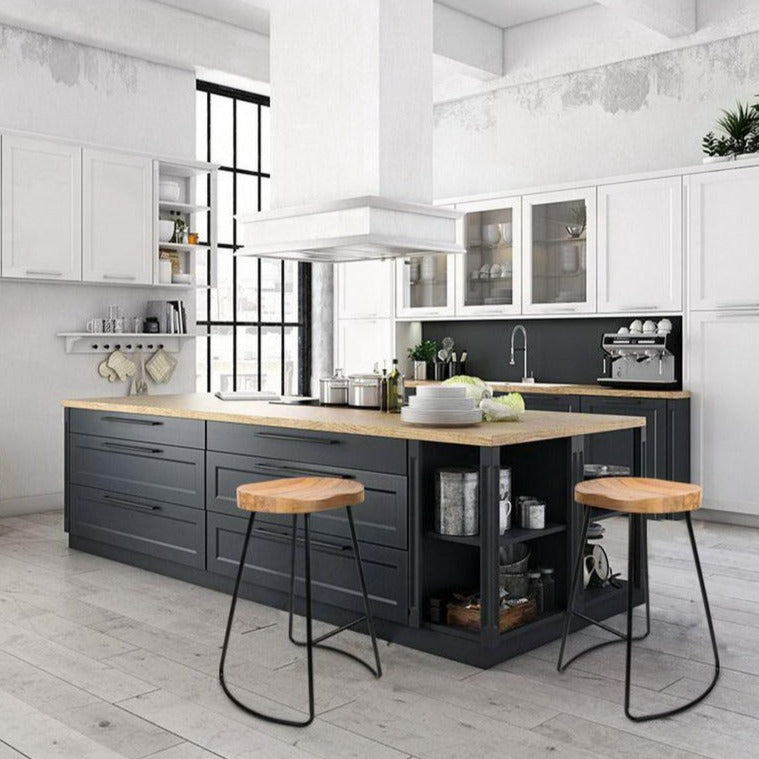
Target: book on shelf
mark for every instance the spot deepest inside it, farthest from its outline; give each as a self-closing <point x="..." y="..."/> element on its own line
<point x="171" y="315"/>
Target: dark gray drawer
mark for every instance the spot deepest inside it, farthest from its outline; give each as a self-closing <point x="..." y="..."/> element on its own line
<point x="189" y="433"/>
<point x="157" y="471"/>
<point x="162" y="530"/>
<point x="308" y="446"/>
<point x="333" y="569"/>
<point x="558" y="402"/>
<point x="382" y="518"/>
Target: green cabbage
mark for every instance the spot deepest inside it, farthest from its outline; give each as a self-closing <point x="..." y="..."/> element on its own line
<point x="475" y="387"/>
<point x="504" y="408"/>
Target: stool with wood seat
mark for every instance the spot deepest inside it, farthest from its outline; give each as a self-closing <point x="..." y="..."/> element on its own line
<point x="302" y="495"/>
<point x="638" y="497"/>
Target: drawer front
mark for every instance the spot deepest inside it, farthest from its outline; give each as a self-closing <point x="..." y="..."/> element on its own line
<point x="308" y="446"/>
<point x="162" y="530"/>
<point x="382" y="518"/>
<point x="188" y="433"/>
<point x="544" y="402"/>
<point x="333" y="569"/>
<point x="156" y="471"/>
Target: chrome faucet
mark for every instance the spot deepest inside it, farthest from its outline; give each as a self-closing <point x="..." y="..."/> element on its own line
<point x="520" y="328"/>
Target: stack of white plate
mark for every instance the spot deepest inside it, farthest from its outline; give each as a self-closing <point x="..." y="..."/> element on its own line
<point x="441" y="406"/>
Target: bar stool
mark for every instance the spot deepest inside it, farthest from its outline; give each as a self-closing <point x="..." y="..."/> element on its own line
<point x="637" y="497"/>
<point x="301" y="495"/>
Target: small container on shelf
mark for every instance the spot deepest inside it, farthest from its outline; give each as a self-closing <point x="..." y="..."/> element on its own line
<point x="456" y="501"/>
<point x="535" y="590"/>
<point x="549" y="589"/>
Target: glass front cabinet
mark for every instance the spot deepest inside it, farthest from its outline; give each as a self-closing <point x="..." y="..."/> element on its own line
<point x="489" y="274"/>
<point x="559" y="252"/>
<point x="425" y="286"/>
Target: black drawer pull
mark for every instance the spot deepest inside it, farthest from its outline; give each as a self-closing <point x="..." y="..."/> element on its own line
<point x="138" y="448"/>
<point x="131" y="504"/>
<point x="297" y="438"/>
<point x="285" y="469"/>
<point x="318" y="543"/>
<point x="125" y="420"/>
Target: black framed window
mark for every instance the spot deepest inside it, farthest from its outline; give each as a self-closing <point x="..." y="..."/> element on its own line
<point x="254" y="326"/>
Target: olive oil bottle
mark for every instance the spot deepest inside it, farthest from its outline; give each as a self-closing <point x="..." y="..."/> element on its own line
<point x="395" y="389"/>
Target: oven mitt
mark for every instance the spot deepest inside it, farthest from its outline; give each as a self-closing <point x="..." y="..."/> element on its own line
<point x="123" y="366"/>
<point x="161" y="366"/>
<point x="106" y="372"/>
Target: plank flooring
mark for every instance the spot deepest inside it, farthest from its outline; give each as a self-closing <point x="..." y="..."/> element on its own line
<point x="99" y="660"/>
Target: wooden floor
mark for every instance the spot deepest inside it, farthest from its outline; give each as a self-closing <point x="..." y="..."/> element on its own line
<point x="99" y="660"/>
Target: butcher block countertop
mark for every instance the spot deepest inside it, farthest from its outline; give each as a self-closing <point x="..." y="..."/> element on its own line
<point x="536" y="425"/>
<point x="551" y="388"/>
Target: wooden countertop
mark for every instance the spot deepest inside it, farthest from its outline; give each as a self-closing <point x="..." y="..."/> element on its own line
<point x="536" y="425"/>
<point x="560" y="388"/>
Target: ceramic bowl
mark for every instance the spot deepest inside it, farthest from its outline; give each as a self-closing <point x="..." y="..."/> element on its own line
<point x="165" y="230"/>
<point x="169" y="191"/>
<point x="649" y="327"/>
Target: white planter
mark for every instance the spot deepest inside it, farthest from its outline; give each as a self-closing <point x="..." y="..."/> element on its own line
<point x="717" y="158"/>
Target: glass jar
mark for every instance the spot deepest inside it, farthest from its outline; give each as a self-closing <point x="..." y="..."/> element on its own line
<point x="549" y="589"/>
<point x="535" y="590"/>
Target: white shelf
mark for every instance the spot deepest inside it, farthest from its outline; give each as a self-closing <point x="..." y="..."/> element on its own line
<point x="181" y="246"/>
<point x="185" y="169"/>
<point x="168" y="205"/>
<point x="126" y="342"/>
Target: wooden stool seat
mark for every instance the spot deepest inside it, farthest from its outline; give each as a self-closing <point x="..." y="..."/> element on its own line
<point x="639" y="495"/>
<point x="299" y="495"/>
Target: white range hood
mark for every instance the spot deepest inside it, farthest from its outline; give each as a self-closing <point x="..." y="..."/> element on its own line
<point x="351" y="125"/>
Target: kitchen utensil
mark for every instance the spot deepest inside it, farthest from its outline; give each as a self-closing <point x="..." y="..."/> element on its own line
<point x="456" y="501"/>
<point x="574" y="230"/>
<point x="161" y="366"/>
<point x="491" y="235"/>
<point x="514" y="558"/>
<point x="636" y="326"/>
<point x="506" y="232"/>
<point x="164" y="271"/>
<point x="364" y="390"/>
<point x="95" y="325"/>
<point x="649" y="327"/>
<point x="169" y="191"/>
<point x="180" y="278"/>
<point x="120" y="324"/>
<point x="165" y="230"/>
<point x="514" y="583"/>
<point x="139" y="383"/>
<point x="151" y="325"/>
<point x="504" y="500"/>
<point x="138" y="324"/>
<point x="664" y="327"/>
<point x="448" y="344"/>
<point x="333" y="391"/>
<point x="123" y="366"/>
<point x="440" y="418"/>
<point x="441" y="391"/>
<point x="438" y="403"/>
<point x="106" y="372"/>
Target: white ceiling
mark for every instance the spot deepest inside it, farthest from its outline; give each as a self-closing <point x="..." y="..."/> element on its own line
<point x="506" y="13"/>
<point x="254" y="14"/>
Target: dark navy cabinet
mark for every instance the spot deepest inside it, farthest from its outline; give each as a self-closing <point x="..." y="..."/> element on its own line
<point x="545" y="402"/>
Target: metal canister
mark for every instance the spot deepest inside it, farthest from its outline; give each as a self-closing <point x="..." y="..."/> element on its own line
<point x="457" y="501"/>
<point x="532" y="512"/>
<point x="364" y="390"/>
<point x="333" y="391"/>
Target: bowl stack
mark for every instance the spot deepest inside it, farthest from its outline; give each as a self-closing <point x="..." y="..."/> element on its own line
<point x="441" y="406"/>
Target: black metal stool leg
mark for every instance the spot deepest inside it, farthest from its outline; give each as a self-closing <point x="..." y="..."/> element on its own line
<point x="292" y="582"/>
<point x="348" y="625"/>
<point x="710" y="624"/>
<point x="233" y="606"/>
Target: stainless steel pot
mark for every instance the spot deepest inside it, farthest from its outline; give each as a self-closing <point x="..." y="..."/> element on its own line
<point x="333" y="391"/>
<point x="364" y="390"/>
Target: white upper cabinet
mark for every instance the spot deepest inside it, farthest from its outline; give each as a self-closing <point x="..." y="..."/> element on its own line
<point x="640" y="252"/>
<point x="559" y="252"/>
<point x="425" y="286"/>
<point x="364" y="289"/>
<point x="362" y="343"/>
<point x="724" y="414"/>
<point x="117" y="198"/>
<point x="722" y="239"/>
<point x="41" y="209"/>
<point x="489" y="274"/>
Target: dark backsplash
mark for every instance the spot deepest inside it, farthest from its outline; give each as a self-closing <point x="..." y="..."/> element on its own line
<point x="559" y="350"/>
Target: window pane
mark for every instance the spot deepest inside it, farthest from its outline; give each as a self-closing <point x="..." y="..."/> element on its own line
<point x="247" y="194"/>
<point x="221" y="130"/>
<point x="271" y="359"/>
<point x="247" y="135"/>
<point x="225" y="212"/>
<point x="291" y="363"/>
<point x="200" y="263"/>
<point x="247" y="289"/>
<point x="247" y="358"/>
<point x="291" y="291"/>
<point x="221" y="295"/>
<point x="221" y="358"/>
<point x="265" y="139"/>
<point x="271" y="290"/>
<point x="265" y="194"/>
<point x="201" y="361"/>
<point x="201" y="125"/>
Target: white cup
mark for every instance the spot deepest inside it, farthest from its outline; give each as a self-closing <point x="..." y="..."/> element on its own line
<point x="164" y="271"/>
<point x="95" y="325"/>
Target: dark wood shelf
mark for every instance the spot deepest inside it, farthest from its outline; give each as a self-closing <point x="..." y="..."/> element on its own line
<point x="514" y="535"/>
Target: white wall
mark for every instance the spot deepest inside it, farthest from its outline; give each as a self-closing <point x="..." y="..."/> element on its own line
<point x="638" y="115"/>
<point x="69" y="90"/>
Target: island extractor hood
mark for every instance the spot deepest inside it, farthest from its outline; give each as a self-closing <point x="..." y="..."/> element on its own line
<point x="351" y="126"/>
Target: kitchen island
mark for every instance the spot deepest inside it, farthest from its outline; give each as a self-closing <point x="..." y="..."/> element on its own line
<point x="151" y="481"/>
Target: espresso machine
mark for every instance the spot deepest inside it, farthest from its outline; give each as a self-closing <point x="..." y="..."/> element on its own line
<point x="638" y="361"/>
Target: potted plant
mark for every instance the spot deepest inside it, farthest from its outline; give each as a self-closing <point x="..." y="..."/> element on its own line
<point x="421" y="355"/>
<point x="740" y="134"/>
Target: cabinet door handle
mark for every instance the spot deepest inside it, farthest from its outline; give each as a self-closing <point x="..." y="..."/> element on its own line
<point x="137" y="448"/>
<point x="563" y="310"/>
<point x="308" y="472"/>
<point x="130" y="504"/>
<point x="125" y="277"/>
<point x="125" y="420"/>
<point x="739" y="314"/>
<point x="641" y="308"/>
<point x="44" y="273"/>
<point x="297" y="438"/>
